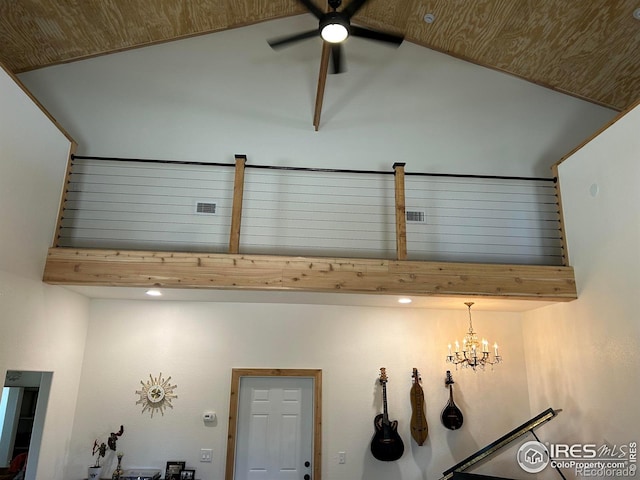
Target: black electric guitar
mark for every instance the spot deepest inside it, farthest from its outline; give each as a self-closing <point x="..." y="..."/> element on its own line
<point x="451" y="415"/>
<point x="386" y="444"/>
<point x="419" y="427"/>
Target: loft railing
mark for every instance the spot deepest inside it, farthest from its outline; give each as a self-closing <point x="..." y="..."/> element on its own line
<point x="146" y="223"/>
<point x="135" y="204"/>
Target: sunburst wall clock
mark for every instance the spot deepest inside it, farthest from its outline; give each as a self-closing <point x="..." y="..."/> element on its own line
<point x="156" y="394"/>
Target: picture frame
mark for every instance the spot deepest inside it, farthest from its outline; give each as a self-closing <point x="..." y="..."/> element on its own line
<point x="189" y="474"/>
<point x="174" y="468"/>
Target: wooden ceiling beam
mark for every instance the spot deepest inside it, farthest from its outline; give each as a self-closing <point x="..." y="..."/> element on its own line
<point x="120" y="268"/>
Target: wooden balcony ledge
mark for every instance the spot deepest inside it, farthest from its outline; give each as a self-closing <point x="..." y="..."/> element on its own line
<point x="122" y="268"/>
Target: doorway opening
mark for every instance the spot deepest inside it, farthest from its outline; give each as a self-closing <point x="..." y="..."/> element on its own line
<point x="23" y="406"/>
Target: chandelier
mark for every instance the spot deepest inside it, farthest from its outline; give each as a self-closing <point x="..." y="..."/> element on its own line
<point x="474" y="353"/>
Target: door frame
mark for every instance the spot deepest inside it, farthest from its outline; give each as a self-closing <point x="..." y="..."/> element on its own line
<point x="234" y="396"/>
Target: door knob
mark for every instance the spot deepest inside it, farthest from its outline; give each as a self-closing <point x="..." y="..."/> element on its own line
<point x="307" y="464"/>
<point x="307" y="476"/>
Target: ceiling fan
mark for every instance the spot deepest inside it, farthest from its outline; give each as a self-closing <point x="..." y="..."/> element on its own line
<point x="334" y="27"/>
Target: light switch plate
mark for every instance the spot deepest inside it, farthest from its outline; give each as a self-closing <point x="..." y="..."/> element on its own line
<point x="206" y="455"/>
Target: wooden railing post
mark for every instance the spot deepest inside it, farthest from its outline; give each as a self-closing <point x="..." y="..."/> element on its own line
<point x="401" y="219"/>
<point x="63" y="195"/>
<point x="563" y="230"/>
<point x="236" y="210"/>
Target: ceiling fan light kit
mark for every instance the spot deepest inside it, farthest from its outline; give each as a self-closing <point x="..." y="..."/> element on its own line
<point x="334" y="28"/>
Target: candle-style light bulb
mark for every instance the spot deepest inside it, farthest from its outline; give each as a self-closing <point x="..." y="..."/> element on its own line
<point x="495" y="347"/>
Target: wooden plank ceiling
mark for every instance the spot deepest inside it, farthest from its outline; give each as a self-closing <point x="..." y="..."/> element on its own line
<point x="587" y="48"/>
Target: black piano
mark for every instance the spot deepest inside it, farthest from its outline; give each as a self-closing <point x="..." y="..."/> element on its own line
<point x="459" y="471"/>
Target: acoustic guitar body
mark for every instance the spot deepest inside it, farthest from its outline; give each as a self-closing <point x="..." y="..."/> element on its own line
<point x="386" y="444"/>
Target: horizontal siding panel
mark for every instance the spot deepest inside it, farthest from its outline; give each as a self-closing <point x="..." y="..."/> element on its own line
<point x="74" y="207"/>
<point x="364" y="213"/>
<point x="317" y="232"/>
<point x="415" y="186"/>
<point x="317" y="251"/>
<point x="149" y="235"/>
<point x="287" y="244"/>
<point x="311" y="198"/>
<point x="486" y="222"/>
<point x="134" y="198"/>
<point x="188" y="216"/>
<point x="488" y="241"/>
<point x="485" y="257"/>
<point x="485" y="196"/>
<point x="482" y="233"/>
<point x="152" y="169"/>
<point x="145" y="225"/>
<point x="167" y="190"/>
<point x="280" y="178"/>
<point x="145" y="244"/>
<point x="489" y="205"/>
<point x="474" y="213"/>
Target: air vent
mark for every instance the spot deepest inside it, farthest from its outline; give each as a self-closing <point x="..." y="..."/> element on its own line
<point x="206" y="208"/>
<point x="415" y="216"/>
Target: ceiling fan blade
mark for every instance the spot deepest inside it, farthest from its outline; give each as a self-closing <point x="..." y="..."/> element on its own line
<point x="322" y="80"/>
<point x="282" y="42"/>
<point x="336" y="58"/>
<point x="376" y="35"/>
<point x="353" y="7"/>
<point x="312" y="8"/>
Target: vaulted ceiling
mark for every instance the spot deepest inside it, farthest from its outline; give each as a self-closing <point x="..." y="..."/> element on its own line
<point x="588" y="48"/>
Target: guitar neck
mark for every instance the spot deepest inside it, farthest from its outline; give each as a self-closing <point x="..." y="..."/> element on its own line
<point x="385" y="414"/>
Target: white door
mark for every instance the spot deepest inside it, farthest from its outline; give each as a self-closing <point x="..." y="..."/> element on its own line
<point x="275" y="429"/>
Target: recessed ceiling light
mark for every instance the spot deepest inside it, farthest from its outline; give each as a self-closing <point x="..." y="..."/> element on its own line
<point x="636" y="14"/>
<point x="429" y="18"/>
<point x="404" y="300"/>
<point x="154" y="293"/>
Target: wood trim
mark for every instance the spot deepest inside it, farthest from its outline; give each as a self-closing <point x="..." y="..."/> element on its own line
<point x="234" y="396"/>
<point x="63" y="195"/>
<point x="401" y="218"/>
<point x="236" y="209"/>
<point x="93" y="267"/>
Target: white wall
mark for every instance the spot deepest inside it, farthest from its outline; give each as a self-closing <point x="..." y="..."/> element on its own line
<point x="586" y="353"/>
<point x="210" y="97"/>
<point x="42" y="328"/>
<point x="198" y="344"/>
